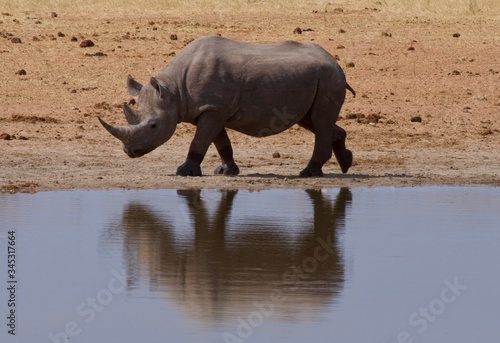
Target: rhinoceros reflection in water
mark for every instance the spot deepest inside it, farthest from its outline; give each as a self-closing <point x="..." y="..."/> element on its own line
<point x="225" y="271"/>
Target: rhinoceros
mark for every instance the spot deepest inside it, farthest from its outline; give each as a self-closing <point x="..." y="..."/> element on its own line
<point x="216" y="83"/>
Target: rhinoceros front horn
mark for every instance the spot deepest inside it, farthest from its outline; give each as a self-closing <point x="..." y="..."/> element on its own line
<point x="122" y="132"/>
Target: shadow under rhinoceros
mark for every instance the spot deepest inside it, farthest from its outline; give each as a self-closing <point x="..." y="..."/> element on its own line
<point x="223" y="271"/>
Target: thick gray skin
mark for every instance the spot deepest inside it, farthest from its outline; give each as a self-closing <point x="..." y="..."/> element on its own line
<point x="257" y="89"/>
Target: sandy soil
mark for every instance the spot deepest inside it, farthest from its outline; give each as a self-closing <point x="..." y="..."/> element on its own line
<point x="442" y="72"/>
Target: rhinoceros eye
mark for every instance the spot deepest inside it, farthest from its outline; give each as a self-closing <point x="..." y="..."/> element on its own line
<point x="152" y="124"/>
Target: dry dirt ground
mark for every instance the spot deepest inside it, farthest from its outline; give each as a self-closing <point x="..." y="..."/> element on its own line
<point x="427" y="109"/>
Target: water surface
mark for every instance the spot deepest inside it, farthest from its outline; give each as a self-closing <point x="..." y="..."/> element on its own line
<point x="333" y="265"/>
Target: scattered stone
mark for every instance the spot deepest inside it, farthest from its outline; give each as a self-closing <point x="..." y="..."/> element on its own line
<point x="456" y="72"/>
<point x="307" y="30"/>
<point x="411" y="48"/>
<point x="21" y="72"/>
<point x="173" y="37"/>
<point x="87" y="43"/>
<point x="354" y="116"/>
<point x="297" y="31"/>
<point x="36" y="39"/>
<point x="53" y="15"/>
<point x="486" y="132"/>
<point x="456" y="35"/>
<point x="97" y="54"/>
<point x="38" y="22"/>
<point x="350" y="65"/>
<point x="16" y="40"/>
<point x="151" y="23"/>
<point x="337" y="57"/>
<point x="372" y="118"/>
<point x="342" y="31"/>
<point x="74" y="39"/>
<point x="416" y="119"/>
<point x="5" y="137"/>
<point x="60" y="34"/>
<point x="338" y="10"/>
<point x="276" y="154"/>
<point x="386" y="34"/>
<point x="340" y="47"/>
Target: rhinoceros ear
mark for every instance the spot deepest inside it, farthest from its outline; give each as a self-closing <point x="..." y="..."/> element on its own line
<point x="133" y="86"/>
<point x="131" y="115"/>
<point x="162" y="90"/>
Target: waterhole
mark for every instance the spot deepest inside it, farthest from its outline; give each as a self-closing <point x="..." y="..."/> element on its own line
<point x="332" y="265"/>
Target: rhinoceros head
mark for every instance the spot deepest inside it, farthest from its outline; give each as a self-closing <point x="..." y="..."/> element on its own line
<point x="152" y="124"/>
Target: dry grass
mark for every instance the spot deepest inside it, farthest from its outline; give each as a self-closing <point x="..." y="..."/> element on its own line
<point x="445" y="7"/>
<point x="109" y="7"/>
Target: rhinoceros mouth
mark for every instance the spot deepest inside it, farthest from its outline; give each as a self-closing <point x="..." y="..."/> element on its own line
<point x="134" y="152"/>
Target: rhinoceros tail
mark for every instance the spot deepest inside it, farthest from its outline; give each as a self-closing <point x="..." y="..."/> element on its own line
<point x="350" y="90"/>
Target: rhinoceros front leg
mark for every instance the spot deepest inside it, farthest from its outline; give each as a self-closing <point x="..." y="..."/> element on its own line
<point x="208" y="127"/>
<point x="223" y="145"/>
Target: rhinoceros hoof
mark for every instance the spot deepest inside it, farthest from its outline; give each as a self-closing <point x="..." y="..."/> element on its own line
<point x="229" y="168"/>
<point x="189" y="168"/>
<point x="346" y="161"/>
<point x="309" y="172"/>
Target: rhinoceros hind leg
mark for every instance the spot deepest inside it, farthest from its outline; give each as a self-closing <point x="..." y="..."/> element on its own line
<point x="343" y="155"/>
<point x="311" y="171"/>
<point x="229" y="168"/>
<point x="189" y="168"/>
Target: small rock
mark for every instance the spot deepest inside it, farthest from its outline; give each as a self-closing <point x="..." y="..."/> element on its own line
<point x="16" y="40"/>
<point x="456" y="72"/>
<point x="486" y="132"/>
<point x="342" y="31"/>
<point x="5" y="137"/>
<point x="173" y="37"/>
<point x="87" y="43"/>
<point x="386" y="34"/>
<point x="350" y="65"/>
<point x="74" y="39"/>
<point x="340" y="47"/>
<point x="456" y="35"/>
<point x="416" y="119"/>
<point x="97" y="54"/>
<point x="60" y="34"/>
<point x="53" y="15"/>
<point x="297" y="31"/>
<point x="276" y="154"/>
<point x="21" y="72"/>
<point x="411" y="48"/>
